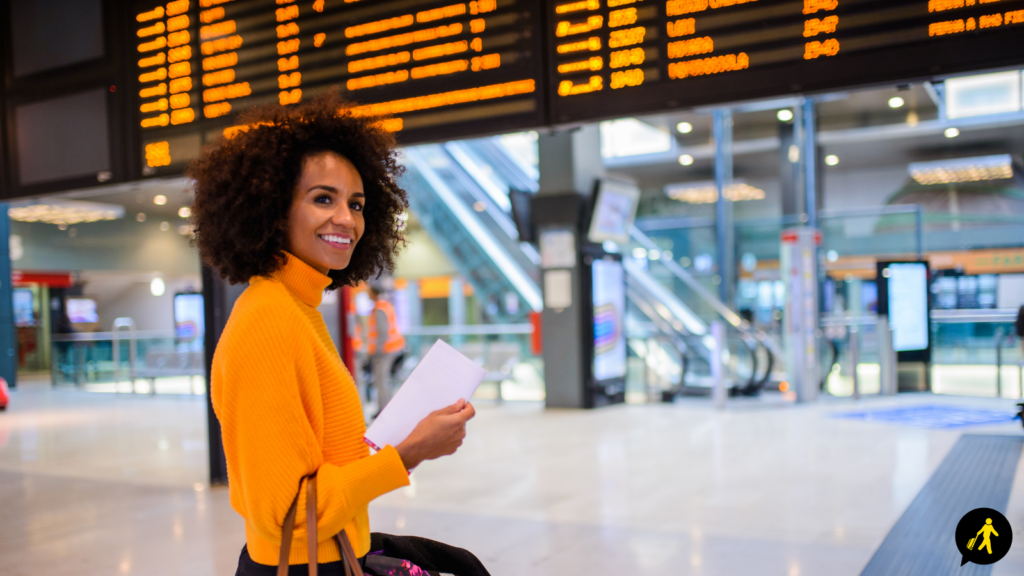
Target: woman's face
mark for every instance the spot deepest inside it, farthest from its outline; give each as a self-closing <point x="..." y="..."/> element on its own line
<point x="326" y="218"/>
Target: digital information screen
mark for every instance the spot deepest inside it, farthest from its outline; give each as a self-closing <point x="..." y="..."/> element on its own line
<point x="908" y="305"/>
<point x="615" y="57"/>
<point x="440" y="68"/>
<point x="609" y="316"/>
<point x="448" y="69"/>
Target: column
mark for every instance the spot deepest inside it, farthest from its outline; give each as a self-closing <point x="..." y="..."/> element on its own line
<point x="8" y="340"/>
<point x="725" y="231"/>
<point x="570" y="163"/>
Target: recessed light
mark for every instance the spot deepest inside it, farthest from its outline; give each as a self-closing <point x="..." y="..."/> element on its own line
<point x="684" y="127"/>
<point x="952" y="132"/>
<point x="686" y="160"/>
<point x="831" y="159"/>
<point x="896" y="102"/>
<point x="165" y="226"/>
<point x="159" y="199"/>
<point x="785" y="115"/>
<point x="184" y="211"/>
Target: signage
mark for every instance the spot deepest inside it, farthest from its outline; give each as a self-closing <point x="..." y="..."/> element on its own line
<point x="610" y="58"/>
<point x="441" y="69"/>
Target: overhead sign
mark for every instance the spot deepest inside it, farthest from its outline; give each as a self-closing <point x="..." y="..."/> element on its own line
<point x="609" y="58"/>
<point x="439" y="68"/>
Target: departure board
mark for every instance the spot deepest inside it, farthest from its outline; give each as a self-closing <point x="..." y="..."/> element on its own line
<point x="441" y="69"/>
<point x="610" y="58"/>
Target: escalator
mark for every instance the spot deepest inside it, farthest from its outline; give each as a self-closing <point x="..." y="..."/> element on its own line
<point x="459" y="193"/>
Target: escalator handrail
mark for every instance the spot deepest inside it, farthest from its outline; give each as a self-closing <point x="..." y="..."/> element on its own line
<point x="493" y="191"/>
<point x="690" y="322"/>
<point x="529" y="174"/>
<point x="525" y="285"/>
<point x="717" y="305"/>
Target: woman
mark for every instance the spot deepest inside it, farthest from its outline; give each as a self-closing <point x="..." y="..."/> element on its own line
<point x="302" y="201"/>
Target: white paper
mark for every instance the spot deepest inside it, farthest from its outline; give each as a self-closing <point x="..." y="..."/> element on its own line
<point x="442" y="378"/>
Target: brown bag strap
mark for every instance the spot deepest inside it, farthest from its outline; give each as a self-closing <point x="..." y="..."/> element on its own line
<point x="348" y="555"/>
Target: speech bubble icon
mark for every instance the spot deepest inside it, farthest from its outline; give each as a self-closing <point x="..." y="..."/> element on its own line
<point x="983" y="536"/>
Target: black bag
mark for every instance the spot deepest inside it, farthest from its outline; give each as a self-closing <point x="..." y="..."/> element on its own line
<point x="432" y="556"/>
<point x="387" y="552"/>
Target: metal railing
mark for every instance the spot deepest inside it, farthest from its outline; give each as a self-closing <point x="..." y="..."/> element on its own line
<point x="504" y="350"/>
<point x="92" y="359"/>
<point x="965" y="340"/>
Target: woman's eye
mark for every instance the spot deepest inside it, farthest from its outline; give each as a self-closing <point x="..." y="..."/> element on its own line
<point x="325" y="199"/>
<point x="356" y="206"/>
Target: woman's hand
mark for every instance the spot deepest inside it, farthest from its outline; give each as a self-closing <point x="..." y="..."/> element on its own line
<point x="439" y="434"/>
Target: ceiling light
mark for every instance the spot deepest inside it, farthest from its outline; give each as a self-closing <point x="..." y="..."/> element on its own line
<point x="952" y="132"/>
<point x="165" y="226"/>
<point x="896" y="102"/>
<point x="159" y="199"/>
<point x="140" y="217"/>
<point x="639" y="253"/>
<point x="64" y="212"/>
<point x="157" y="287"/>
<point x="686" y="160"/>
<point x="831" y="159"/>
<point x="707" y="192"/>
<point x="184" y="211"/>
<point x="785" y="115"/>
<point x="977" y="169"/>
<point x="684" y="127"/>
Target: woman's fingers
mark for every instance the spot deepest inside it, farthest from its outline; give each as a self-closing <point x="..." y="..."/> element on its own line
<point x="453" y="409"/>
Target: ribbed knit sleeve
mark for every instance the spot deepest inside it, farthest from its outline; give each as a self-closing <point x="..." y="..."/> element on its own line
<point x="268" y="398"/>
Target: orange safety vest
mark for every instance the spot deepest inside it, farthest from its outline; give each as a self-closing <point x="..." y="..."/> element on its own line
<point x="395" y="340"/>
<point x="357" y="328"/>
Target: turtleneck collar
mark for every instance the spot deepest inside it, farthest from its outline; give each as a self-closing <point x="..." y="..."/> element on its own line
<point x="302" y="280"/>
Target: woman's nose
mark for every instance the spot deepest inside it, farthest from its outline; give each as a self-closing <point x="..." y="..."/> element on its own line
<point x="343" y="217"/>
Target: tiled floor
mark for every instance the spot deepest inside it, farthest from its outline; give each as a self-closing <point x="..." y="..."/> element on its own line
<point x="114" y="484"/>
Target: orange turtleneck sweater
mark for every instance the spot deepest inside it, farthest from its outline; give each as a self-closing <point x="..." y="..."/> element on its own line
<point x="289" y="408"/>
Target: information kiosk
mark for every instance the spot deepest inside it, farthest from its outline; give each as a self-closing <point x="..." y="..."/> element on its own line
<point x="584" y="293"/>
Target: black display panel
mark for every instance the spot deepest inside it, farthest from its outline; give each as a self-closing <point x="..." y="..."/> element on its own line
<point x="55" y="33"/>
<point x="610" y="58"/>
<point x="442" y="69"/>
<point x="61" y="138"/>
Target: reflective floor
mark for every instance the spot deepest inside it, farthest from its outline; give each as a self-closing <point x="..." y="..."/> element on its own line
<point x="115" y="484"/>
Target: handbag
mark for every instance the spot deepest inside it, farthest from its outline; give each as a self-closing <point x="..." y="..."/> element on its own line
<point x="432" y="556"/>
<point x="348" y="555"/>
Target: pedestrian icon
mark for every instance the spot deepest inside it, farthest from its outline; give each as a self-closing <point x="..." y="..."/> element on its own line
<point x="985" y="545"/>
<point x="986" y="531"/>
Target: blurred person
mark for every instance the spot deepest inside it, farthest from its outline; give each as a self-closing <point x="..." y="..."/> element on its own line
<point x="385" y="341"/>
<point x="305" y="200"/>
<point x="358" y="347"/>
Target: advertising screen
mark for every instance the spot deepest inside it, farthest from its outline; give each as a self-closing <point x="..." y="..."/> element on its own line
<point x="24" y="315"/>
<point x="189" y="319"/>
<point x="82" y="311"/>
<point x="609" y="317"/>
<point x="908" y="305"/>
<point x="614" y="210"/>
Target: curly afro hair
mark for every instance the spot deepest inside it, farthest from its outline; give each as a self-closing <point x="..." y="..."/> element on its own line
<point x="244" y="185"/>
